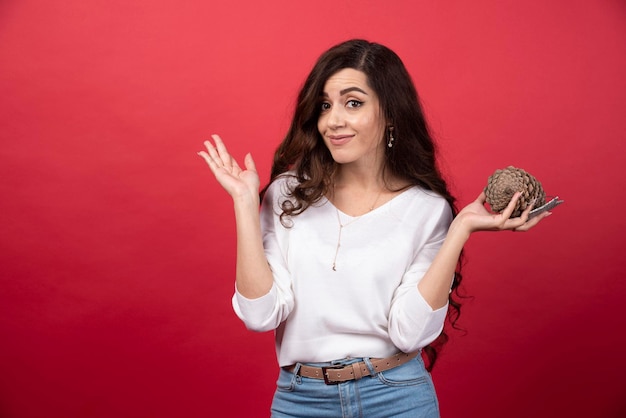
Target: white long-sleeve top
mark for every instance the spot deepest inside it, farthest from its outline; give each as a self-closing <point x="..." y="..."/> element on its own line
<point x="370" y="306"/>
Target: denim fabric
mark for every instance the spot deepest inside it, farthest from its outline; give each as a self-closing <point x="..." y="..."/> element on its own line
<point x="406" y="391"/>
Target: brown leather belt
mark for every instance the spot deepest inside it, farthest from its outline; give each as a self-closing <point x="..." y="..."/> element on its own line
<point x="333" y="375"/>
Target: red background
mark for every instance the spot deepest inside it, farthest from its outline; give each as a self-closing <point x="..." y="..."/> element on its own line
<point x="117" y="246"/>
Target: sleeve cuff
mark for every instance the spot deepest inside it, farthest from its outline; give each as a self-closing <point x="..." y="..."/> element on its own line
<point x="254" y="312"/>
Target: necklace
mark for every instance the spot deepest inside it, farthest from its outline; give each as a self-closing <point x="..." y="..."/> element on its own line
<point x="342" y="226"/>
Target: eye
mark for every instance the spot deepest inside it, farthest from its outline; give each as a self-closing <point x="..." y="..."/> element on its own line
<point x="354" y="103"/>
<point x="325" y="106"/>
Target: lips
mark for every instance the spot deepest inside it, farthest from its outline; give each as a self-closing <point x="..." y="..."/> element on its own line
<point x="339" y="139"/>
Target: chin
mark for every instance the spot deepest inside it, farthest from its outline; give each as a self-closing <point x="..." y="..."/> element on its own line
<point x="341" y="159"/>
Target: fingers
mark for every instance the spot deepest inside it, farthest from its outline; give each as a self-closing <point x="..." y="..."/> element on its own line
<point x="524" y="215"/>
<point x="249" y="163"/>
<point x="526" y="224"/>
<point x="531" y="223"/>
<point x="479" y="219"/>
<point x="209" y="160"/>
<point x="508" y="211"/>
<point x="219" y="159"/>
<point x="520" y="223"/>
<point x="482" y="198"/>
<point x="217" y="155"/>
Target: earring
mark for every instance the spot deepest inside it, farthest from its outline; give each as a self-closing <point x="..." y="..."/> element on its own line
<point x="391" y="139"/>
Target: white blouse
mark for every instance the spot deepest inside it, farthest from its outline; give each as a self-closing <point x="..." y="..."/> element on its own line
<point x="370" y="305"/>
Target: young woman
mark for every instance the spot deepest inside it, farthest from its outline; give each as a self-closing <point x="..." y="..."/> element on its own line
<point x="352" y="257"/>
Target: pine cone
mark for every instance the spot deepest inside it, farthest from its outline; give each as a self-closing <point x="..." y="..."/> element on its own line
<point x="503" y="184"/>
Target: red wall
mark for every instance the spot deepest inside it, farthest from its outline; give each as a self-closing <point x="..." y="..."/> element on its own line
<point x="117" y="246"/>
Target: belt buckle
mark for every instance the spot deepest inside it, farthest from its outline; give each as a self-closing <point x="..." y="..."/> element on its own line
<point x="325" y="376"/>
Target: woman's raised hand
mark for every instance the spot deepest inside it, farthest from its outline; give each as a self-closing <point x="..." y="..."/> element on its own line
<point x="237" y="182"/>
<point x="475" y="217"/>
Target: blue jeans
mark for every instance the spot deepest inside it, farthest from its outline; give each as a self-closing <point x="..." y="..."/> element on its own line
<point x="405" y="391"/>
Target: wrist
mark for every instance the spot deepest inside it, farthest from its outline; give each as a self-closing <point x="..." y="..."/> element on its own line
<point x="459" y="230"/>
<point x="246" y="201"/>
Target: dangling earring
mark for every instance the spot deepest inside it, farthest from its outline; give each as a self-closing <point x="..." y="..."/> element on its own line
<point x="391" y="139"/>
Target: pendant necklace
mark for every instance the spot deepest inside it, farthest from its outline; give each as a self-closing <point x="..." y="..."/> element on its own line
<point x="342" y="226"/>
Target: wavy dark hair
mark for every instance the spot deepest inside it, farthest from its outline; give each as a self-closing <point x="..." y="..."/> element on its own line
<point x="411" y="159"/>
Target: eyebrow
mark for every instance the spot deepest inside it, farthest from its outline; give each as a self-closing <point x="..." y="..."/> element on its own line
<point x="348" y="90"/>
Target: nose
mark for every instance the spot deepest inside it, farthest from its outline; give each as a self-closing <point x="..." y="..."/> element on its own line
<point x="336" y="117"/>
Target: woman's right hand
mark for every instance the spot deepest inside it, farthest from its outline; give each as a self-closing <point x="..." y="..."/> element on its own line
<point x="253" y="277"/>
<point x="240" y="184"/>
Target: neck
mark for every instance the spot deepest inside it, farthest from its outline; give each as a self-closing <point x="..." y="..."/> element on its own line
<point x="358" y="192"/>
<point x="360" y="178"/>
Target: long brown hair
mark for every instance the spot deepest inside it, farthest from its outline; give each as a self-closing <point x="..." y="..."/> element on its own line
<point x="411" y="159"/>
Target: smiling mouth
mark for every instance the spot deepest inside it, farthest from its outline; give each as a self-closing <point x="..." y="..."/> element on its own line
<point x="340" y="139"/>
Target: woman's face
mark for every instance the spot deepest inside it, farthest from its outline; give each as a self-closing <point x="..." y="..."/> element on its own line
<point x="350" y="121"/>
